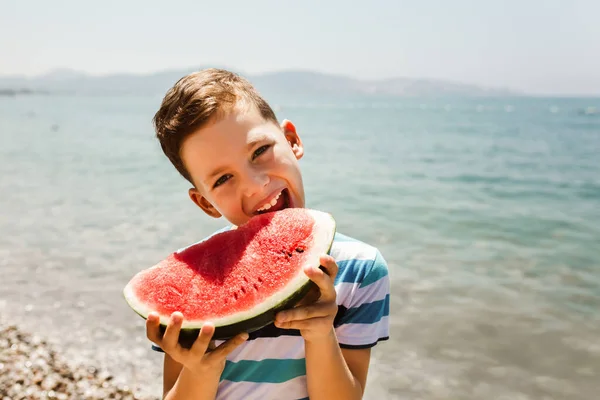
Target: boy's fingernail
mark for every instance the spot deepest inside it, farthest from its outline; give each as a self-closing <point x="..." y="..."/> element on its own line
<point x="177" y="317"/>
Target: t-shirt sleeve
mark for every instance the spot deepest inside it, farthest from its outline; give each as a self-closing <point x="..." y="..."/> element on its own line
<point x="156" y="348"/>
<point x="363" y="316"/>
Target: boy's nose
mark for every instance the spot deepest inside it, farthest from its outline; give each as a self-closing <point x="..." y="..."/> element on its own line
<point x="255" y="182"/>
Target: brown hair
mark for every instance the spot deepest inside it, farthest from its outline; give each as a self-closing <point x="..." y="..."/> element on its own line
<point x="195" y="100"/>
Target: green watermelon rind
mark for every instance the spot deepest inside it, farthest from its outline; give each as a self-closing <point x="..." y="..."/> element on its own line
<point x="191" y="329"/>
<point x="188" y="336"/>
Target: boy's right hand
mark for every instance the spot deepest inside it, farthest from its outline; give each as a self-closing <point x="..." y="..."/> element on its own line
<point x="195" y="359"/>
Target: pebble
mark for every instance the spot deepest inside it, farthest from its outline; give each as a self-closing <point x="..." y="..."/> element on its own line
<point x="31" y="369"/>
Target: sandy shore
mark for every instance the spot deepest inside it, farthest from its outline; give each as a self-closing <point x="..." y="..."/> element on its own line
<point x="31" y="369"/>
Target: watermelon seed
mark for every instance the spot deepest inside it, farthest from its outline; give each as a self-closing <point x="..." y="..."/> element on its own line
<point x="260" y="279"/>
<point x="255" y="287"/>
<point x="235" y="295"/>
<point x="246" y="280"/>
<point x="300" y="250"/>
<point x="289" y="254"/>
<point x="243" y="289"/>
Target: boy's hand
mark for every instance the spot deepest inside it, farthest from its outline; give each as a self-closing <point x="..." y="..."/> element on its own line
<point x="315" y="320"/>
<point x="196" y="359"/>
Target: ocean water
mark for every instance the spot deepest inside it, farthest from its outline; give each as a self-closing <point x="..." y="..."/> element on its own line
<point x="487" y="211"/>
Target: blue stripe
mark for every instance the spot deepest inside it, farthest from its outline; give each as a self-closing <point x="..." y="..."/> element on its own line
<point x="269" y="370"/>
<point x="352" y="271"/>
<point x="368" y="313"/>
<point x="378" y="270"/>
<point x="364" y="272"/>
<point x="156" y="348"/>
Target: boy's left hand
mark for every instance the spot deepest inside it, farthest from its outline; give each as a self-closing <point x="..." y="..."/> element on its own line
<point x="315" y="320"/>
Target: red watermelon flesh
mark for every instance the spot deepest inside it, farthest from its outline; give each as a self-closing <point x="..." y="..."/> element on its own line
<point x="235" y="275"/>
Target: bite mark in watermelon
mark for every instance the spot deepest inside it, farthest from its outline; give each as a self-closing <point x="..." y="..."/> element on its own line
<point x="238" y="279"/>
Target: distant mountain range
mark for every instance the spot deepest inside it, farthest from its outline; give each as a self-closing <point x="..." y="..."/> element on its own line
<point x="293" y="83"/>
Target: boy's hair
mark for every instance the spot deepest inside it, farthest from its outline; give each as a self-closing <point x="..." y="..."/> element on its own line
<point x="197" y="99"/>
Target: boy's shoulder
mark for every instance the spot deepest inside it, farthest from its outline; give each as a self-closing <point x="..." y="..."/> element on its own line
<point x="358" y="261"/>
<point x="348" y="246"/>
<point x="363" y="293"/>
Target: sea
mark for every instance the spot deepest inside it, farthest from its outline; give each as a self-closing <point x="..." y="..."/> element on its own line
<point x="487" y="211"/>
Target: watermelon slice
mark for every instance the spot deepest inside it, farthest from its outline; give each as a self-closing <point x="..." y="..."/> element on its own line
<point x="237" y="279"/>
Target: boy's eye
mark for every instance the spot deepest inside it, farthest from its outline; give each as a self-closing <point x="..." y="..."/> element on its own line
<point x="260" y="150"/>
<point x="221" y="180"/>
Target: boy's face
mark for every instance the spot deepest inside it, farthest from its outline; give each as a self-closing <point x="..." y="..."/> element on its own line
<point x="242" y="165"/>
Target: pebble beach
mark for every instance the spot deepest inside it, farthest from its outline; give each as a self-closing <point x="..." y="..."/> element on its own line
<point x="31" y="368"/>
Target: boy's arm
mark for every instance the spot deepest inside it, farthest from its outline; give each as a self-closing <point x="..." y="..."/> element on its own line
<point x="329" y="375"/>
<point x="334" y="372"/>
<point x="180" y="383"/>
<point x="190" y="373"/>
<point x="358" y="361"/>
<point x="171" y="371"/>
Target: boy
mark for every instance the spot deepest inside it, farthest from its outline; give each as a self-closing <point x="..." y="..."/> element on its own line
<point x="226" y="141"/>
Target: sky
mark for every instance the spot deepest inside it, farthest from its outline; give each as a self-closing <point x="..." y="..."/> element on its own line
<point x="539" y="47"/>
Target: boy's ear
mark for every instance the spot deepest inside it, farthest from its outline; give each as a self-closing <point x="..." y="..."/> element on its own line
<point x="289" y="130"/>
<point x="204" y="204"/>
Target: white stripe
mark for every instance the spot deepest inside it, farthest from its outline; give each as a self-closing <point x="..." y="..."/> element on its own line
<point x="360" y="334"/>
<point x="343" y="251"/>
<point x="292" y="389"/>
<point x="281" y="348"/>
<point x="352" y="295"/>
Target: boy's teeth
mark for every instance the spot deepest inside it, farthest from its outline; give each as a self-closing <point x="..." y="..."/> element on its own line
<point x="270" y="204"/>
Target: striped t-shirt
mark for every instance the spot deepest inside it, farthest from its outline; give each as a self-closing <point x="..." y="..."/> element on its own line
<point x="271" y="363"/>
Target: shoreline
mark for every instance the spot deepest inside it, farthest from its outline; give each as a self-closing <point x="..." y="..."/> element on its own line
<point x="31" y="368"/>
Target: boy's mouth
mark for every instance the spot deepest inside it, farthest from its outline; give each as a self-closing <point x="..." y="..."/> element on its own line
<point x="279" y="202"/>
